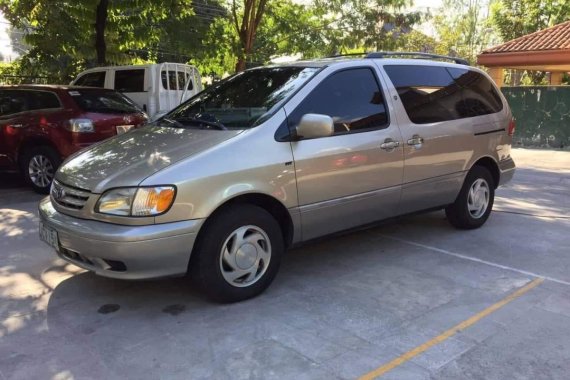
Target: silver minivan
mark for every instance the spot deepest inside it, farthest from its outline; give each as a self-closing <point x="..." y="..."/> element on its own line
<point x="274" y="156"/>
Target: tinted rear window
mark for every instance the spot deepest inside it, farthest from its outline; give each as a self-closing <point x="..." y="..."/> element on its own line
<point x="129" y="80"/>
<point x="16" y="101"/>
<point x="479" y="94"/>
<point x="103" y="101"/>
<point x="436" y="93"/>
<point x="45" y="100"/>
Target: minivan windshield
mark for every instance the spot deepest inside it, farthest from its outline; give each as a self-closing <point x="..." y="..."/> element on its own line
<point x="241" y="101"/>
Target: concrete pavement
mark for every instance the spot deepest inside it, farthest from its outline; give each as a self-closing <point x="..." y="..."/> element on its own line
<point x="339" y="308"/>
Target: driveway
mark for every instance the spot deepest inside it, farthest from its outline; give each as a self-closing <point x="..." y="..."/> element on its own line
<point x="410" y="299"/>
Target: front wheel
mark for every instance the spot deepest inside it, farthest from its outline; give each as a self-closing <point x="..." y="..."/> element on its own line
<point x="39" y="165"/>
<point x="238" y="254"/>
<point x="474" y="203"/>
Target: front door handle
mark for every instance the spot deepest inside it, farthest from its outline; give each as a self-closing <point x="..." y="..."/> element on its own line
<point x="389" y="144"/>
<point x="416" y="141"/>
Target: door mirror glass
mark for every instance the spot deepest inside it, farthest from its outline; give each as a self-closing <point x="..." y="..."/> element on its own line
<point x="314" y="125"/>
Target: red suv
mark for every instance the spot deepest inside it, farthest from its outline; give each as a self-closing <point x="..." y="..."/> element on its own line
<point x="41" y="125"/>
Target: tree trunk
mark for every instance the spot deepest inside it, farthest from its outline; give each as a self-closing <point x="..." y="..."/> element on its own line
<point x="253" y="11"/>
<point x="240" y="65"/>
<point x="100" y="24"/>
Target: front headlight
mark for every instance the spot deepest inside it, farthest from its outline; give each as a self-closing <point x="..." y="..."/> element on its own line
<point x="142" y="201"/>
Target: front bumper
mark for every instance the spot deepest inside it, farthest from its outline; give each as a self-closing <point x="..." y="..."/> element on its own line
<point x="507" y="168"/>
<point x="120" y="251"/>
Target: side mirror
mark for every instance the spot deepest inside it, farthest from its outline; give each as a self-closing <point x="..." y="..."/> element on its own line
<point x="313" y="125"/>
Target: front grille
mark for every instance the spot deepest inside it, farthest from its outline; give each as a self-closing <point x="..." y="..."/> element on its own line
<point x="69" y="197"/>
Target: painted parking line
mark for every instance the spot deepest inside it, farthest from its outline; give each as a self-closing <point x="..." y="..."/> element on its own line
<point x="474" y="259"/>
<point x="449" y="333"/>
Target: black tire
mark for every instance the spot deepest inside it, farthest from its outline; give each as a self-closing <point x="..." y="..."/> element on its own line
<point x="46" y="154"/>
<point x="207" y="264"/>
<point x="458" y="213"/>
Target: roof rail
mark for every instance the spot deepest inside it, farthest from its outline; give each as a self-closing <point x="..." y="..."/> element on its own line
<point x="385" y="54"/>
<point x="347" y="55"/>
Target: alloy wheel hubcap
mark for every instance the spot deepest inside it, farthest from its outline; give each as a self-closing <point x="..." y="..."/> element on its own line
<point x="41" y="171"/>
<point x="245" y="256"/>
<point x="478" y="198"/>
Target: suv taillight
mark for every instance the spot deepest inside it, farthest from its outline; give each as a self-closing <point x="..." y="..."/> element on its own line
<point x="512" y="126"/>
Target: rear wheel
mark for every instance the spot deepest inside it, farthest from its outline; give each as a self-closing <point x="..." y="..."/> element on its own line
<point x="39" y="165"/>
<point x="474" y="203"/>
<point x="238" y="254"/>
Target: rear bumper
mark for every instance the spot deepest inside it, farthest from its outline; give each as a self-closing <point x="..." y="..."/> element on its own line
<point x="120" y="251"/>
<point x="507" y="168"/>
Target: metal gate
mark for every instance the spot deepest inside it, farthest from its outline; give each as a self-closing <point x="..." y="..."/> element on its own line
<point x="542" y="115"/>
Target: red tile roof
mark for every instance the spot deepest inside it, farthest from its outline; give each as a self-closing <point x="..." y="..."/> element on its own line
<point x="556" y="37"/>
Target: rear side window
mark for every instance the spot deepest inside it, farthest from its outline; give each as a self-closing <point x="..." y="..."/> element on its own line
<point x="351" y="97"/>
<point x="103" y="102"/>
<point x="172" y="81"/>
<point x="182" y="79"/>
<point x="175" y="82"/>
<point x="45" y="100"/>
<point x="429" y="93"/>
<point x="129" y="80"/>
<point x="434" y="93"/>
<point x="95" y="79"/>
<point x="169" y="80"/>
<point x="14" y="101"/>
<point x="479" y="95"/>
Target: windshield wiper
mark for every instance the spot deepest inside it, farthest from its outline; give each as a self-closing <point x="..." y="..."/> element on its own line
<point x="175" y="122"/>
<point x="215" y="124"/>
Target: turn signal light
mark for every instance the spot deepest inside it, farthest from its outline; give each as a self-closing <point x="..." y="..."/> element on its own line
<point x="153" y="200"/>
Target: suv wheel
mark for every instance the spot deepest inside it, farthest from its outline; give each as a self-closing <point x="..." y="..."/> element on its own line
<point x="38" y="166"/>
<point x="238" y="254"/>
<point x="475" y="200"/>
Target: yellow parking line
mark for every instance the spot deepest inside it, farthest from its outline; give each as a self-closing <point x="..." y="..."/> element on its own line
<point x="449" y="333"/>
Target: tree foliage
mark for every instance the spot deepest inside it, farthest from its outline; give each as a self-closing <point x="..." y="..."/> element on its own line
<point x="462" y="28"/>
<point x="516" y="18"/>
<point x="286" y="28"/>
<point x="220" y="36"/>
<point x="366" y="24"/>
<point x="246" y="17"/>
<point x="65" y="36"/>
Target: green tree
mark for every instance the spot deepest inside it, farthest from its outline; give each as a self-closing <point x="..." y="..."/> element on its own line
<point x="286" y="28"/>
<point x="516" y="18"/>
<point x="367" y="24"/>
<point x="462" y="28"/>
<point x="184" y="38"/>
<point x="246" y="17"/>
<point x="65" y="36"/>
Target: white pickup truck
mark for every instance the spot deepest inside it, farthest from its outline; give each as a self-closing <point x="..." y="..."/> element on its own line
<point x="156" y="88"/>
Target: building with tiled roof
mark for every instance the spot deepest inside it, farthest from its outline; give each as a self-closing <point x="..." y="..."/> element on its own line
<point x="546" y="50"/>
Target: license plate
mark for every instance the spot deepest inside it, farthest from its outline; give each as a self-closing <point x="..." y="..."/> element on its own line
<point x="49" y="236"/>
<point x="124" y="128"/>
